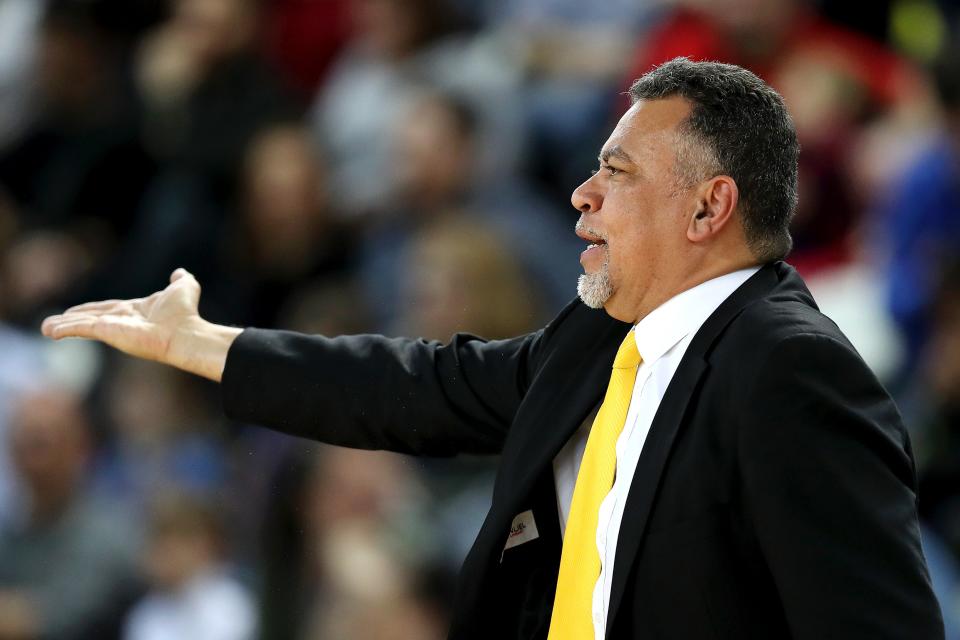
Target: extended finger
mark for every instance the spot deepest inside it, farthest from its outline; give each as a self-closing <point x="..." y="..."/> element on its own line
<point x="96" y="306"/>
<point x="50" y="322"/>
<point x="55" y="320"/>
<point x="78" y="328"/>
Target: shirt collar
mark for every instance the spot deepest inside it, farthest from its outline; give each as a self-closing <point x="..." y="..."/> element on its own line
<point x="684" y="314"/>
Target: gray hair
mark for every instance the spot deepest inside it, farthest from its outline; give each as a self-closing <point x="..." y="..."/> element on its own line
<point x="738" y="126"/>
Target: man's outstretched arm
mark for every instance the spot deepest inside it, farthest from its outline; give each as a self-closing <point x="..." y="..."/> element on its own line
<point x="366" y="392"/>
<point x="165" y="326"/>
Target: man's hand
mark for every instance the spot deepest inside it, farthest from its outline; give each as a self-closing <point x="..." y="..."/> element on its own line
<point x="164" y="326"/>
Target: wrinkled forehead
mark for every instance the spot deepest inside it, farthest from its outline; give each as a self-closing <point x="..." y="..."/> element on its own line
<point x="649" y="125"/>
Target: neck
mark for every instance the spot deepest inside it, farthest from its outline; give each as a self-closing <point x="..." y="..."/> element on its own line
<point x="655" y="297"/>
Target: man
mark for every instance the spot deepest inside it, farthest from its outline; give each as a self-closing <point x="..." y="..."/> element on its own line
<point x="67" y="565"/>
<point x="192" y="594"/>
<point x="745" y="475"/>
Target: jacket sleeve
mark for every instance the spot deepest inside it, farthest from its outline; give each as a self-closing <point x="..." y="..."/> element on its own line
<point x="372" y="392"/>
<point x="829" y="484"/>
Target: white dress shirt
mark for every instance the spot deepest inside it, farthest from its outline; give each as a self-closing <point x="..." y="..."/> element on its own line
<point x="662" y="338"/>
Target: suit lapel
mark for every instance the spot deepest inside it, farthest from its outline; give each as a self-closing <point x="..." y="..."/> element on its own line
<point x="569" y="381"/>
<point x="665" y="426"/>
<point x="573" y="386"/>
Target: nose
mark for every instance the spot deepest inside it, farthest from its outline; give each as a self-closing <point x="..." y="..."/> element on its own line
<point x="587" y="197"/>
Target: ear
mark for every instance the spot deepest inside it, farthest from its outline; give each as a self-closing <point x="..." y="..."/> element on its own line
<point x="716" y="203"/>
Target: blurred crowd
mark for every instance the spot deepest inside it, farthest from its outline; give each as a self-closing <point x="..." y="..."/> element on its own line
<point x="403" y="167"/>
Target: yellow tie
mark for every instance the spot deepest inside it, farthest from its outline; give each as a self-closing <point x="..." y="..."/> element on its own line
<point x="580" y="561"/>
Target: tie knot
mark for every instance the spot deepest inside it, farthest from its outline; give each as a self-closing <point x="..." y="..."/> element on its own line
<point x="628" y="357"/>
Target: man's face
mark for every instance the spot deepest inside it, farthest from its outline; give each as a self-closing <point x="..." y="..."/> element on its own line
<point x="635" y="210"/>
<point x="48" y="442"/>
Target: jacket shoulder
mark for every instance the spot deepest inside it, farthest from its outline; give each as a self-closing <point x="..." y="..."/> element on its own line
<point x="784" y="312"/>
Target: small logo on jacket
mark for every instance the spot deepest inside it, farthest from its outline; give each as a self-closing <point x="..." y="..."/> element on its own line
<point x="522" y="529"/>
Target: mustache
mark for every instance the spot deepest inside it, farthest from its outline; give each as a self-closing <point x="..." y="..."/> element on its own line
<point x="583" y="228"/>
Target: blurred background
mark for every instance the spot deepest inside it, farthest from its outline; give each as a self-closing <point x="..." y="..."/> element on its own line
<point x="405" y="167"/>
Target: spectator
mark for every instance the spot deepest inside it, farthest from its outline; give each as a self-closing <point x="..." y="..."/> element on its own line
<point x="162" y="437"/>
<point x="205" y="90"/>
<point x="192" y="594"/>
<point x="75" y="177"/>
<point x="67" y="569"/>
<point x="366" y="526"/>
<point x="345" y="534"/>
<point x="459" y="277"/>
<point x="398" y="47"/>
<point x="436" y="155"/>
<point x="921" y="217"/>
<point x="285" y="232"/>
<point x="81" y="159"/>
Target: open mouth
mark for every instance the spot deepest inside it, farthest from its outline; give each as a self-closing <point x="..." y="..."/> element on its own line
<point x="596" y="252"/>
<point x="591" y="237"/>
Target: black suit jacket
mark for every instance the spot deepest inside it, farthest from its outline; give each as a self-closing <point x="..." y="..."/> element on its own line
<point x="775" y="496"/>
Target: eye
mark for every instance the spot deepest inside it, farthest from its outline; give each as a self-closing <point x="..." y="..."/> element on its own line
<point x="611" y="170"/>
